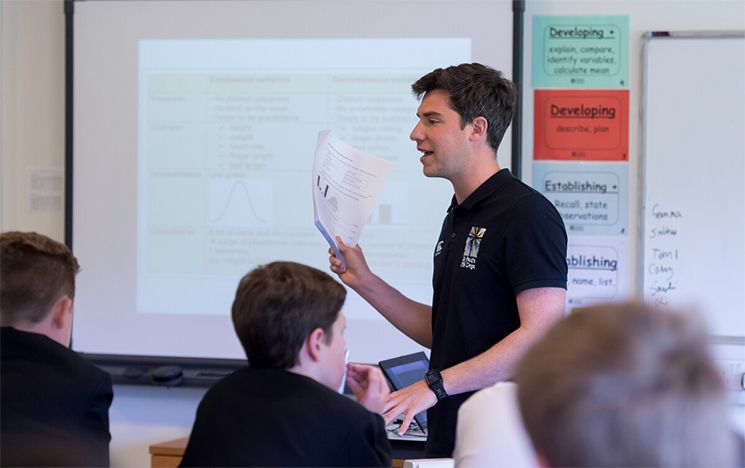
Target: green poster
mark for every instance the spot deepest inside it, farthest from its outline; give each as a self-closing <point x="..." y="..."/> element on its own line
<point x="581" y="52"/>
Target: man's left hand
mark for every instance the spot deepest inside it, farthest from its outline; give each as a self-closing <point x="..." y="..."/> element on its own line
<point x="408" y="401"/>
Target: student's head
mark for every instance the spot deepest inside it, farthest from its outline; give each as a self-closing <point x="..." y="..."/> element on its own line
<point x="474" y="90"/>
<point x="37" y="284"/>
<point x="625" y="385"/>
<point x="288" y="315"/>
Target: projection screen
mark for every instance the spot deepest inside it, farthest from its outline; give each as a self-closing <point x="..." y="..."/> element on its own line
<point x="194" y="128"/>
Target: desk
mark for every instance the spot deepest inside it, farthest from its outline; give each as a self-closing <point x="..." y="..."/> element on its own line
<point x="168" y="454"/>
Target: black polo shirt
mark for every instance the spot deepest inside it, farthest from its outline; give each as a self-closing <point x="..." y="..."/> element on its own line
<point x="503" y="239"/>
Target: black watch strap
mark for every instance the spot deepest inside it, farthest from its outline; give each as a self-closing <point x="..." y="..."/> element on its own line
<point x="435" y="383"/>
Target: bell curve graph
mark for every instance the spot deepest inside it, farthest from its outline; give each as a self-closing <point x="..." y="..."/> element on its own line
<point x="240" y="203"/>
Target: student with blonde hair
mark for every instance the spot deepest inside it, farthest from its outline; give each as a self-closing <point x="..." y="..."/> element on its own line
<point x="625" y="385"/>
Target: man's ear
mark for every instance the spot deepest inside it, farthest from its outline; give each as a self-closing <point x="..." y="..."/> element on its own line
<point x="61" y="313"/>
<point x="314" y="343"/>
<point x="479" y="126"/>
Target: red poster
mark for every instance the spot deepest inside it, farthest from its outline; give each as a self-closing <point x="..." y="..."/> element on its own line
<point x="581" y="125"/>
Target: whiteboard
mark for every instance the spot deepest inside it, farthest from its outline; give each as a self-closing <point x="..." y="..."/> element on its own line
<point x="693" y="176"/>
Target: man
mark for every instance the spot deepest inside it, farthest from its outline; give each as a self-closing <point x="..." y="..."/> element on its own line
<point x="54" y="406"/>
<point x="284" y="410"/>
<point x="499" y="264"/>
<point x="625" y="385"/>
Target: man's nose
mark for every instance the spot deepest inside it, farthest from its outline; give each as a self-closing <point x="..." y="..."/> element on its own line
<point x="416" y="133"/>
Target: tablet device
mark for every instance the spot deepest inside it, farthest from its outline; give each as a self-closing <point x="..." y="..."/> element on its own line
<point x="405" y="370"/>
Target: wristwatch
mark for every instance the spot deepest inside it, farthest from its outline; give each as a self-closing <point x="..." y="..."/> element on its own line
<point x="435" y="383"/>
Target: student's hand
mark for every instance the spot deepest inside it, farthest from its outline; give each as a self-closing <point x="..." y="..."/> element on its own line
<point x="408" y="401"/>
<point x="368" y="385"/>
<point x="354" y="267"/>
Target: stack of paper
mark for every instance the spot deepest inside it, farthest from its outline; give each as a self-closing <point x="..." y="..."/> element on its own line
<point x="346" y="184"/>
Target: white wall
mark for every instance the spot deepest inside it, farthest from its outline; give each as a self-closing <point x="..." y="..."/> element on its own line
<point x="33" y="117"/>
<point x="32" y="135"/>
<point x="141" y="416"/>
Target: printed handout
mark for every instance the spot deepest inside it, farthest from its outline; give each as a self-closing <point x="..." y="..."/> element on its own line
<point x="346" y="184"/>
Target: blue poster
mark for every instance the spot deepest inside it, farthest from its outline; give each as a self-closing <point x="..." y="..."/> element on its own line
<point x="592" y="198"/>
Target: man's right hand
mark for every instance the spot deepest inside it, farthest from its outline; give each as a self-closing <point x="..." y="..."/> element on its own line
<point x="353" y="269"/>
<point x="369" y="386"/>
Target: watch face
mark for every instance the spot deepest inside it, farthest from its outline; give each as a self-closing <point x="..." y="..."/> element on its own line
<point x="434" y="382"/>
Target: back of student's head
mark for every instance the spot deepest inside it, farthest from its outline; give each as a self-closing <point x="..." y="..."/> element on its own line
<point x="35" y="271"/>
<point x="278" y="305"/>
<point x="625" y="385"/>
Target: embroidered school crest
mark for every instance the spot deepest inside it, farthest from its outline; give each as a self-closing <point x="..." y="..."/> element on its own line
<point x="473" y="242"/>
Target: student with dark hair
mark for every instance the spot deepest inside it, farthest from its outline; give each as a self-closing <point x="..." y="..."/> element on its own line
<point x="54" y="405"/>
<point x="283" y="409"/>
<point x="500" y="267"/>
<point x="626" y="385"/>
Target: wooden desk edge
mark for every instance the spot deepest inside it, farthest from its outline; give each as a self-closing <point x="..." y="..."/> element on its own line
<point x="173" y="447"/>
<point x="168" y="454"/>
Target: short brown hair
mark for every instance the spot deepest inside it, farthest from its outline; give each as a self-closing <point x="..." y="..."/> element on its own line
<point x="625" y="385"/>
<point x="475" y="91"/>
<point x="278" y="305"/>
<point x="35" y="271"/>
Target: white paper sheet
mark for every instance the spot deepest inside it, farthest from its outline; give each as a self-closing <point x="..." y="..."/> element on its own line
<point x="346" y="185"/>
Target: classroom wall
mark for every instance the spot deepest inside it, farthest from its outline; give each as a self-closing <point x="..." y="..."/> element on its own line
<point x="32" y="144"/>
<point x="644" y="15"/>
<point x="33" y="98"/>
